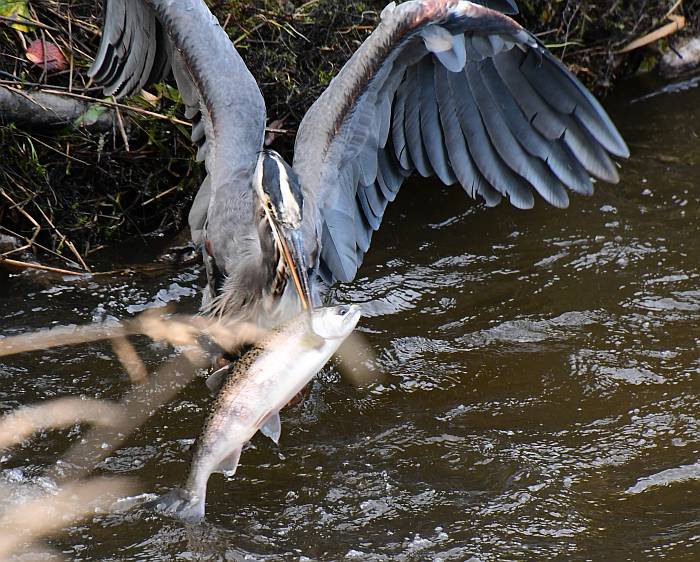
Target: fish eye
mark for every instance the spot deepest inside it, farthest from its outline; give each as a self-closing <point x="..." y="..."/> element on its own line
<point x="343" y="310"/>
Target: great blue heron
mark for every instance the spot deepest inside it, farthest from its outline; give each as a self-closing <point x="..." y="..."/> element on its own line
<point x="442" y="87"/>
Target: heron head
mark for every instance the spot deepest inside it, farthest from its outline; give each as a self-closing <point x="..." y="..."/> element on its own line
<point x="282" y="201"/>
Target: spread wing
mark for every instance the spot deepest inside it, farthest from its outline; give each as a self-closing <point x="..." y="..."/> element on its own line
<point x="453" y="89"/>
<point x="143" y="40"/>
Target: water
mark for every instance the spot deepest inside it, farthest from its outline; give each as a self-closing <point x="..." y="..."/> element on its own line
<point x="540" y="391"/>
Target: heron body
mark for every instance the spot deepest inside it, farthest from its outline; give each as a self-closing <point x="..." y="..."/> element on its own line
<point x="444" y="88"/>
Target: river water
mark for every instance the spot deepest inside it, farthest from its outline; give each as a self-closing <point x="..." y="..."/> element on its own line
<point x="540" y="390"/>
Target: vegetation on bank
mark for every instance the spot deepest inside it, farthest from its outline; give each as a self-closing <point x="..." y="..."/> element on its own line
<point x="67" y="191"/>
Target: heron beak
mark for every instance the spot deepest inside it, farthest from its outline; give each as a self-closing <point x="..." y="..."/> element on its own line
<point x="292" y="249"/>
<point x="301" y="276"/>
<point x="293" y="252"/>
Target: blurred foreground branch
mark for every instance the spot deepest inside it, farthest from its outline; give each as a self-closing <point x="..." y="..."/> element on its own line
<point x="198" y="338"/>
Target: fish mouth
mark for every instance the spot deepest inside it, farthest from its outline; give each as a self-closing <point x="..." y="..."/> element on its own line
<point x="351" y="316"/>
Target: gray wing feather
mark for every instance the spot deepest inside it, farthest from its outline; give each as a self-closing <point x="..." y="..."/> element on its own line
<point x="372" y="216"/>
<point x="485" y="157"/>
<point x="144" y="39"/>
<point x="398" y="130"/>
<point x="466" y="172"/>
<point x="377" y="201"/>
<point x="431" y="131"/>
<point x="390" y="177"/>
<point x="412" y="126"/>
<point x="509" y="149"/>
<point x="134" y="50"/>
<point x="482" y="46"/>
<point x="338" y="254"/>
<point x="363" y="231"/>
<point x="446" y="88"/>
<point x="591" y="155"/>
<point x="565" y="167"/>
<point x="539" y="114"/>
<point x="567" y="95"/>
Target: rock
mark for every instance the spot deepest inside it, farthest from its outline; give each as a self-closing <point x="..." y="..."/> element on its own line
<point x="8" y="243"/>
<point x="686" y="57"/>
<point x="180" y="250"/>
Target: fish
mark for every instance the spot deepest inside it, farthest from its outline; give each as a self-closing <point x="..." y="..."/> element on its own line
<point x="254" y="390"/>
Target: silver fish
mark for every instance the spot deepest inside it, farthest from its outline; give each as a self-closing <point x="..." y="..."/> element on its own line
<point x="258" y="386"/>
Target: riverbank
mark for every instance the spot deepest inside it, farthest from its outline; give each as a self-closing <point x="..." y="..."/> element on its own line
<point x="70" y="190"/>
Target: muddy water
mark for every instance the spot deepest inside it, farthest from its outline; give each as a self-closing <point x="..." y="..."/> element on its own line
<point x="540" y="398"/>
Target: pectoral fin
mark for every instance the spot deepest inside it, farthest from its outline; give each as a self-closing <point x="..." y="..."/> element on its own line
<point x="216" y="380"/>
<point x="229" y="464"/>
<point x="272" y="427"/>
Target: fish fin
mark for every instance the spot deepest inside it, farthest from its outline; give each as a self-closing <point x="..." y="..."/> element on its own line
<point x="229" y="464"/>
<point x="216" y="380"/>
<point x="179" y="503"/>
<point x="272" y="427"/>
<point x="312" y="340"/>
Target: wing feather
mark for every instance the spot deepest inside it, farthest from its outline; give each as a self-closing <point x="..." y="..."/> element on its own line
<point x="142" y="41"/>
<point x="398" y="130"/>
<point x="564" y="166"/>
<point x="363" y="231"/>
<point x="338" y="254"/>
<point x="450" y="88"/>
<point x="431" y="131"/>
<point x="413" y="128"/>
<point x="566" y="94"/>
<point x="509" y="149"/>
<point x="463" y="166"/>
<point x="485" y="157"/>
<point x="389" y="176"/>
<point x="540" y="115"/>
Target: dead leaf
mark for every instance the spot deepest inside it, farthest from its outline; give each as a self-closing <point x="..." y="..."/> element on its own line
<point x="53" y="57"/>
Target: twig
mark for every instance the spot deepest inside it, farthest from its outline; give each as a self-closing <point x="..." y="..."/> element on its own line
<point x="49" y="513"/>
<point x="152" y="199"/>
<point x="176" y="330"/>
<point x="677" y="23"/>
<point x="64" y="238"/>
<point x="119" y="105"/>
<point x="30" y="218"/>
<point x="20" y="424"/>
<point x="70" y="52"/>
<point x="33" y="243"/>
<point x="126" y="353"/>
<point x="122" y="130"/>
<point x="673" y="8"/>
<point x="60" y="336"/>
<point x="14" y="81"/>
<point x="37" y="266"/>
<point x="26" y="21"/>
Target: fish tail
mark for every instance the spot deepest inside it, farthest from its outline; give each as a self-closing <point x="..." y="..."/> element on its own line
<point x="179" y="503"/>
